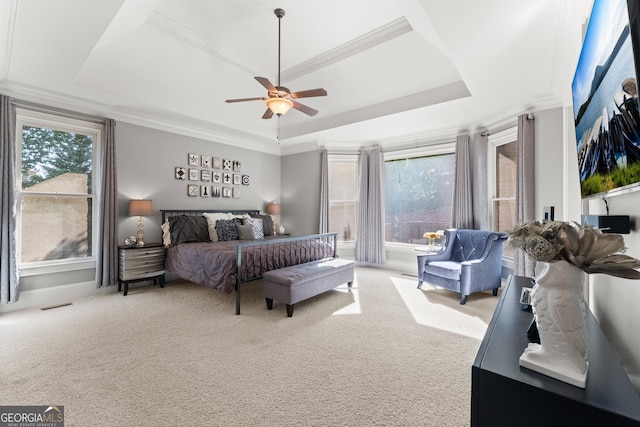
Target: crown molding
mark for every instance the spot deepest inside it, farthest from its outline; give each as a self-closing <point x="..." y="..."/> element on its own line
<point x="367" y="41"/>
<point x="201" y="130"/>
<point x="169" y="122"/>
<point x="191" y="38"/>
<point x="437" y="95"/>
<point x="303" y="147"/>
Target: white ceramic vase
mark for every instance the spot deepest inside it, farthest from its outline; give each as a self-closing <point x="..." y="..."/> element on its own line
<point x="560" y="314"/>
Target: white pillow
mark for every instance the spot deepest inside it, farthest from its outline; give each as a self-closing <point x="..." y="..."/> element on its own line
<point x="166" y="234"/>
<point x="243" y="216"/>
<point x="211" y="223"/>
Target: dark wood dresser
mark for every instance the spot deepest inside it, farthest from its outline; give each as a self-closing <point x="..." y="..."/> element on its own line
<point x="504" y="394"/>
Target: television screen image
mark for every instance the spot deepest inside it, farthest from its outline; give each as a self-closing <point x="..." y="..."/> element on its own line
<point x="605" y="103"/>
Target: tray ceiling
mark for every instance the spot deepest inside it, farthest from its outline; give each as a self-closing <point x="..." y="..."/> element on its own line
<point x="393" y="70"/>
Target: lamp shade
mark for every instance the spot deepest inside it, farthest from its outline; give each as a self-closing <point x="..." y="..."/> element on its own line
<point x="273" y="209"/>
<point x="140" y="208"/>
<point x="279" y="106"/>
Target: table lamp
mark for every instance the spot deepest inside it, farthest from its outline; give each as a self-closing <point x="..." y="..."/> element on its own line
<point x="273" y="209"/>
<point x="140" y="208"/>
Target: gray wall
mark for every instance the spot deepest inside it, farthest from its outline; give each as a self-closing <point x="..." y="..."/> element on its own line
<point x="614" y="301"/>
<point x="301" y="193"/>
<point x="146" y="162"/>
<point x="549" y="162"/>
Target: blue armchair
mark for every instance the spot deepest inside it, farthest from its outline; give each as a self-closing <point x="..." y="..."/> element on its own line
<point x="471" y="261"/>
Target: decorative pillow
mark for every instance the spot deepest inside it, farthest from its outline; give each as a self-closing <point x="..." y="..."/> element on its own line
<point x="166" y="234"/>
<point x="256" y="226"/>
<point x="267" y="223"/>
<point x="211" y="222"/>
<point x="241" y="217"/>
<point x="245" y="231"/>
<point x="227" y="229"/>
<point x="186" y="229"/>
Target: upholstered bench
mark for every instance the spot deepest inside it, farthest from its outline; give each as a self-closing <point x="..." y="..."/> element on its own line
<point x="293" y="284"/>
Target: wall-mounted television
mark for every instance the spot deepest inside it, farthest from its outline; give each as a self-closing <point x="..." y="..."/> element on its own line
<point x="605" y="101"/>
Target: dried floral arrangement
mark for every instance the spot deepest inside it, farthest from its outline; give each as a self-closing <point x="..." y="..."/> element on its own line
<point x="586" y="247"/>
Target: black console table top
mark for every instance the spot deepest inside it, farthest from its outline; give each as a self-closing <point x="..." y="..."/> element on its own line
<point x="503" y="393"/>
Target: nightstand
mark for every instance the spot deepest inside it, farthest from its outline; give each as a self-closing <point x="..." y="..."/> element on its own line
<point x="138" y="264"/>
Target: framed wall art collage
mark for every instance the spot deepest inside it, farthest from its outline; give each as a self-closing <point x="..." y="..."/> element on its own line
<point x="212" y="176"/>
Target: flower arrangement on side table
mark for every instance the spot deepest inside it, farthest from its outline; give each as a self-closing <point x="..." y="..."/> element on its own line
<point x="432" y="236"/>
<point x="568" y="252"/>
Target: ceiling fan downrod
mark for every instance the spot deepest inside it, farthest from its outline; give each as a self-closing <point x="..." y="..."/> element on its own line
<point x="279" y="13"/>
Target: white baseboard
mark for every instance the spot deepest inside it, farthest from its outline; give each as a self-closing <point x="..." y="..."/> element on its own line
<point x="45" y="297"/>
<point x="399" y="258"/>
<point x="403" y="266"/>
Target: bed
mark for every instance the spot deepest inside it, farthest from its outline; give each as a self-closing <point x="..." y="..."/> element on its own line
<point x="227" y="264"/>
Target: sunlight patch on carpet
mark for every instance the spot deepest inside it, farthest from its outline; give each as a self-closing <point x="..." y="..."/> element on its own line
<point x="355" y="307"/>
<point x="445" y="314"/>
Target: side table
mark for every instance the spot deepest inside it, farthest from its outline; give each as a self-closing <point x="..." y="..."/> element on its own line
<point x="140" y="263"/>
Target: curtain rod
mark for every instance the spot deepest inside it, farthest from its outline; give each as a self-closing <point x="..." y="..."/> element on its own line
<point x="40" y="108"/>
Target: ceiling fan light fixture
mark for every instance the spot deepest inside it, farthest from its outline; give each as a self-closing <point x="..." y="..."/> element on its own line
<point x="279" y="98"/>
<point x="279" y="106"/>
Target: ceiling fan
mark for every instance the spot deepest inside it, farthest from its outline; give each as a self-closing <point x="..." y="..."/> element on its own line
<point x="279" y="99"/>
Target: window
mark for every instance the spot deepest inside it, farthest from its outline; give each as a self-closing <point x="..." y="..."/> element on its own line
<point x="56" y="188"/>
<point x="343" y="196"/>
<point x="418" y="196"/>
<point x="503" y="202"/>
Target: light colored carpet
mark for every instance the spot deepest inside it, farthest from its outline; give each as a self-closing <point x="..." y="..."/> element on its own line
<point x="385" y="354"/>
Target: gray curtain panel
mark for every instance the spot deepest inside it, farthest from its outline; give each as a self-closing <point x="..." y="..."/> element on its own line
<point x="525" y="187"/>
<point x="462" y="206"/>
<point x="107" y="263"/>
<point x="324" y="192"/>
<point x="480" y="182"/>
<point x="361" y="212"/>
<point x="370" y="241"/>
<point x="8" y="258"/>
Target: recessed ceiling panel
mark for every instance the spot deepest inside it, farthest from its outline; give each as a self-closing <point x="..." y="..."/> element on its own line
<point x="249" y="28"/>
<point x="175" y="62"/>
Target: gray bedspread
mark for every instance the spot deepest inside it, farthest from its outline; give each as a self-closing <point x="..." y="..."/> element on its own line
<point x="213" y="264"/>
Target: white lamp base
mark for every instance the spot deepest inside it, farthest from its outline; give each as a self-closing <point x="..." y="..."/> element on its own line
<point x="140" y="238"/>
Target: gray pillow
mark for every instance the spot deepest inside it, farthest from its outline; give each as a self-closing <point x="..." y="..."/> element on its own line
<point x="256" y="224"/>
<point x="226" y="229"/>
<point x="245" y="232"/>
<point x="184" y="229"/>
<point x="267" y="223"/>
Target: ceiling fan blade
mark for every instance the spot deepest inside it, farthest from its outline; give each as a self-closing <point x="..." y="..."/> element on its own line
<point x="267" y="114"/>
<point x="266" y="83"/>
<point x="309" y="93"/>
<point x="307" y="110"/>
<point x="245" y="99"/>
